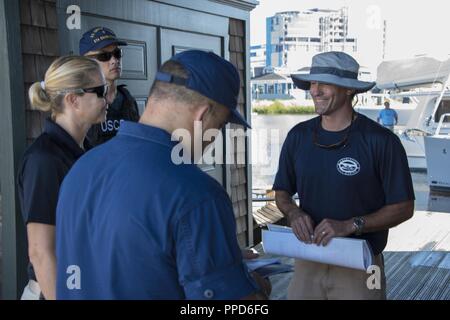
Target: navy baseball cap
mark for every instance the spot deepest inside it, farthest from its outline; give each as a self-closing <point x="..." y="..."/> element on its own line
<point x="97" y="38"/>
<point x="212" y="77"/>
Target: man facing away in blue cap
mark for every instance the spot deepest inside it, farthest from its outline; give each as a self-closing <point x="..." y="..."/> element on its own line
<point x="101" y="44"/>
<point x="173" y="234"/>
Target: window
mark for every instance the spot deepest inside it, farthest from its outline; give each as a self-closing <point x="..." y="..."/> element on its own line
<point x="261" y="88"/>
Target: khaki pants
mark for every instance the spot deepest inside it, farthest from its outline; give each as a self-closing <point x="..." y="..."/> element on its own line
<point x="317" y="281"/>
<point x="32" y="291"/>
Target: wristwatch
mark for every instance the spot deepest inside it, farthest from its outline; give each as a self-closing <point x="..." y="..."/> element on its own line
<point x="358" y="223"/>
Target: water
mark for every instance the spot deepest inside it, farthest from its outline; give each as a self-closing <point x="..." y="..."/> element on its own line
<point x="269" y="133"/>
<point x="263" y="173"/>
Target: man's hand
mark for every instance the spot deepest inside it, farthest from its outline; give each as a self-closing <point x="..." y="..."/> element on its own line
<point x="328" y="229"/>
<point x="249" y="254"/>
<point x="302" y="226"/>
<point x="263" y="284"/>
<point x="301" y="223"/>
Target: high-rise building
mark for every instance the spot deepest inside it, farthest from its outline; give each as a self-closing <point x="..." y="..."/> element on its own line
<point x="293" y="37"/>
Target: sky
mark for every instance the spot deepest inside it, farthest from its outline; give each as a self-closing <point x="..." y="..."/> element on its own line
<point x="413" y="27"/>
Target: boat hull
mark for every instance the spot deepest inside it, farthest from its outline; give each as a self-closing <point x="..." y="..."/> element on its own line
<point x="437" y="150"/>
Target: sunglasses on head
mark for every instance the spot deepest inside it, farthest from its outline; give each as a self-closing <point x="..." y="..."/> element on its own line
<point x="101" y="91"/>
<point x="106" y="56"/>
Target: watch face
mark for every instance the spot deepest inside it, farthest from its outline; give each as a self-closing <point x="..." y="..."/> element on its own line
<point x="359" y="222"/>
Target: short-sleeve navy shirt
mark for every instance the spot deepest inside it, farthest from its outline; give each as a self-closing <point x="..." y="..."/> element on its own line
<point x="368" y="173"/>
<point x="131" y="224"/>
<point x="44" y="166"/>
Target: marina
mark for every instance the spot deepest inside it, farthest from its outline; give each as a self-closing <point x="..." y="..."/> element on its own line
<point x="417" y="259"/>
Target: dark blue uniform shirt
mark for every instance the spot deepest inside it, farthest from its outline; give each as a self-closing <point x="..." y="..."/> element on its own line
<point x="44" y="166"/>
<point x="133" y="225"/>
<point x="369" y="172"/>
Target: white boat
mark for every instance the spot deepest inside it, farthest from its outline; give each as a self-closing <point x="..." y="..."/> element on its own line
<point x="426" y="136"/>
<point x="437" y="150"/>
<point x="374" y="105"/>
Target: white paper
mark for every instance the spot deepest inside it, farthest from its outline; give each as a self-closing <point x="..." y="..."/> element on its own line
<point x="344" y="252"/>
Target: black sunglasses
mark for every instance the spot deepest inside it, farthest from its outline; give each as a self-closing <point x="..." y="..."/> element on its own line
<point x="101" y="91"/>
<point x="106" y="56"/>
<point x="337" y="145"/>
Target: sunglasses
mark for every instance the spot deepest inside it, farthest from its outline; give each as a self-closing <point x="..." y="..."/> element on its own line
<point x="106" y="56"/>
<point x="337" y="145"/>
<point x="101" y="91"/>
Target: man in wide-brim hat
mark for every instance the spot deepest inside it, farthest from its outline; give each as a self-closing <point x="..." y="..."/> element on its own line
<point x="352" y="179"/>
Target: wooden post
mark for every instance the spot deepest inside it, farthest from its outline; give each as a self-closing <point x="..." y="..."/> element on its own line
<point x="12" y="145"/>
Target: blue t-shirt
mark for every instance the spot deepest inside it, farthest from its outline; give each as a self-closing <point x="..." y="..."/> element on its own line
<point x="369" y="172"/>
<point x="388" y="117"/>
<point x="133" y="225"/>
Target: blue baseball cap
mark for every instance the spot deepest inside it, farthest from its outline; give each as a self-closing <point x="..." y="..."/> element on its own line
<point x="97" y="38"/>
<point x="212" y="77"/>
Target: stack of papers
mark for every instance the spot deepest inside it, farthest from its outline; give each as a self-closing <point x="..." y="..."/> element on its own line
<point x="344" y="252"/>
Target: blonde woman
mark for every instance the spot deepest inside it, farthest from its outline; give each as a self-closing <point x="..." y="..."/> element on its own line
<point x="74" y="92"/>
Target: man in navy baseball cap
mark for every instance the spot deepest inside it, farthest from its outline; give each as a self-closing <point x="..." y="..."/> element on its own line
<point x="98" y="38"/>
<point x="102" y="44"/>
<point x="211" y="76"/>
<point x="148" y="226"/>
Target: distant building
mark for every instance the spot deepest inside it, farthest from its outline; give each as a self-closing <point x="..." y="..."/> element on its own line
<point x="272" y="86"/>
<point x="293" y="37"/>
<point x="257" y="60"/>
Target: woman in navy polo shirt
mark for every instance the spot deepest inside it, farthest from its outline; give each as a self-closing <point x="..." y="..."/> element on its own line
<point x="74" y="92"/>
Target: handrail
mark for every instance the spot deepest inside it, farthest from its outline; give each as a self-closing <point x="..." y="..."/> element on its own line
<point x="441" y="95"/>
<point x="441" y="121"/>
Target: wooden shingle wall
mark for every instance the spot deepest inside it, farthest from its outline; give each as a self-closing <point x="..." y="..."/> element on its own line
<point x="40" y="47"/>
<point x="238" y="171"/>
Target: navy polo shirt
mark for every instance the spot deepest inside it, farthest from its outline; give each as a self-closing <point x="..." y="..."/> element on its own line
<point x="368" y="173"/>
<point x="133" y="225"/>
<point x="43" y="168"/>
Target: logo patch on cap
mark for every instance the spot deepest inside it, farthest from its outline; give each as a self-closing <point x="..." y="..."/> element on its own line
<point x="348" y="166"/>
